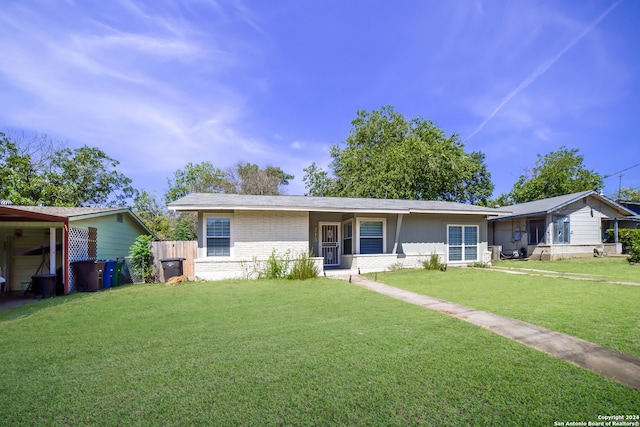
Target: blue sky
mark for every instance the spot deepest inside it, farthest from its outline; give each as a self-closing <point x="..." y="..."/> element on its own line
<point x="157" y="84"/>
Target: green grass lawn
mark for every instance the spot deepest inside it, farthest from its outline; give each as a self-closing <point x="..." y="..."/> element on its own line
<point x="606" y="268"/>
<point x="602" y="313"/>
<point x="319" y="352"/>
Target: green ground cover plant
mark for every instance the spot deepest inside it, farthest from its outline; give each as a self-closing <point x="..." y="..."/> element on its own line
<point x="602" y="313"/>
<point x="280" y="352"/>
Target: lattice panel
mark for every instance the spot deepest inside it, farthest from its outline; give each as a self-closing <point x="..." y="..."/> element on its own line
<point x="79" y="243"/>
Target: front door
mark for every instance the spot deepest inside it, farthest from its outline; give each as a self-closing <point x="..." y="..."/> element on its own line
<point x="329" y="244"/>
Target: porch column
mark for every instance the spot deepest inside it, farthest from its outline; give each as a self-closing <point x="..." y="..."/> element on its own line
<point x="398" y="227"/>
<point x="52" y="250"/>
<point x="615" y="230"/>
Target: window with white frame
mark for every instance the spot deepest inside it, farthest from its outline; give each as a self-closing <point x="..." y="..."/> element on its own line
<point x="371" y="236"/>
<point x="218" y="232"/>
<point x="561" y="229"/>
<point x="463" y="242"/>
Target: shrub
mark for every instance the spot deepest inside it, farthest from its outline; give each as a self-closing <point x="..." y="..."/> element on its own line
<point x="626" y="236"/>
<point x="634" y="250"/>
<point x="280" y="267"/>
<point x="433" y="263"/>
<point x="140" y="252"/>
<point x="303" y="268"/>
<point x="276" y="266"/>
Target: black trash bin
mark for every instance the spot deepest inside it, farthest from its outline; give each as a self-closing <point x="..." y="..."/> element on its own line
<point x="171" y="267"/>
<point x="88" y="275"/>
<point x="44" y="285"/>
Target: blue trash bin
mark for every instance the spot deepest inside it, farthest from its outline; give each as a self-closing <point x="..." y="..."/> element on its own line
<point x="108" y="275"/>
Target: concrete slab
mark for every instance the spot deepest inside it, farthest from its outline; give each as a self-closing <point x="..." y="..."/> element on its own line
<point x="620" y="367"/>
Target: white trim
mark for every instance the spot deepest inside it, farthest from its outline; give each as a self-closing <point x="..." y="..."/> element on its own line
<point x="358" y="220"/>
<point x="232" y="233"/>
<point x="463" y="260"/>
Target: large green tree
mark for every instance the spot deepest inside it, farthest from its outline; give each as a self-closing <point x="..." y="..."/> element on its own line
<point x="388" y="156"/>
<point x="628" y="194"/>
<point x="555" y="174"/>
<point x="204" y="177"/>
<point x="248" y="178"/>
<point x="32" y="174"/>
<point x="197" y="178"/>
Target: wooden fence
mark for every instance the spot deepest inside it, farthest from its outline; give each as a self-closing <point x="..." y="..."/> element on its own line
<point x="175" y="249"/>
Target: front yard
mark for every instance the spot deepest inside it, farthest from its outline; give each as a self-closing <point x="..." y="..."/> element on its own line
<point x="605" y="314"/>
<point x="318" y="352"/>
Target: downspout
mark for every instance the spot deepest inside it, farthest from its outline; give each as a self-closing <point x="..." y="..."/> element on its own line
<point x="398" y="227"/>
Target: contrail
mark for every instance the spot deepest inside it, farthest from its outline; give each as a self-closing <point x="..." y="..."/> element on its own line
<point x="542" y="69"/>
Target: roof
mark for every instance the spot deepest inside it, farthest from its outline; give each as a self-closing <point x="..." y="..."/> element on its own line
<point x="52" y="212"/>
<point x="60" y="214"/>
<point x="217" y="201"/>
<point x="545" y="206"/>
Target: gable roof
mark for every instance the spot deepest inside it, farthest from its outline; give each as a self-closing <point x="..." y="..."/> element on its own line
<point x="61" y="214"/>
<point x="545" y="206"/>
<point x="217" y="201"/>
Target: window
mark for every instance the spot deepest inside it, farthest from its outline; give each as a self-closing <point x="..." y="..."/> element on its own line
<point x="218" y="237"/>
<point x="561" y="229"/>
<point x="347" y="238"/>
<point x="463" y="242"/>
<point x="536" y="230"/>
<point x="372" y="237"/>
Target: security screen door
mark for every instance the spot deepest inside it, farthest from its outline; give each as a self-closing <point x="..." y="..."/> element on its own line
<point x="329" y="246"/>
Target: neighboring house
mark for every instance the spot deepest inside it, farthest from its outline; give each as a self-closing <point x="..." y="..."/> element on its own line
<point x="634" y="206"/>
<point x="573" y="225"/>
<point x="42" y="240"/>
<point x="236" y="231"/>
<point x="630" y="221"/>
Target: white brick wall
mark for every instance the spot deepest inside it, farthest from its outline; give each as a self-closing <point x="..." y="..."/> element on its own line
<point x="257" y="233"/>
<point x="254" y="235"/>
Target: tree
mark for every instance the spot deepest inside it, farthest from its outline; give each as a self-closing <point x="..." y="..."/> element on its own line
<point x="197" y="178"/>
<point x="248" y="178"/>
<point x="244" y="178"/>
<point x="387" y="156"/>
<point x="629" y="194"/>
<point x="317" y="181"/>
<point x="152" y="214"/>
<point x="86" y="176"/>
<point x="33" y="174"/>
<point x="555" y="174"/>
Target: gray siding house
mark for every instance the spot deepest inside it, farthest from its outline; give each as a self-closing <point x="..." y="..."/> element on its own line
<point x="44" y="239"/>
<point x="345" y="234"/>
<point x="568" y="226"/>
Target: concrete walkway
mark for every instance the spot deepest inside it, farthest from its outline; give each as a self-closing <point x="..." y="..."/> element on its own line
<point x="612" y="364"/>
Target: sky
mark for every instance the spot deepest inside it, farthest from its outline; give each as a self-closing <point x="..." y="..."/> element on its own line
<point x="160" y="83"/>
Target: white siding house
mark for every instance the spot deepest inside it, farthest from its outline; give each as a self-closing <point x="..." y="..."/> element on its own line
<point x="560" y="227"/>
<point x="237" y="232"/>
